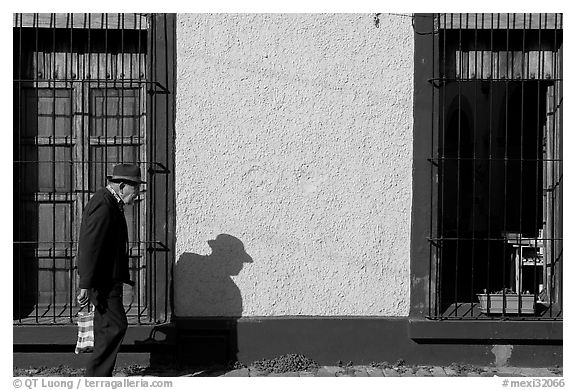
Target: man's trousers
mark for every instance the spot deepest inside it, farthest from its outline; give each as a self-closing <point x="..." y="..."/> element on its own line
<point x="110" y="326"/>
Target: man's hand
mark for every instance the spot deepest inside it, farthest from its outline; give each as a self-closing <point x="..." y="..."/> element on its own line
<point x="83" y="298"/>
<point x="129" y="291"/>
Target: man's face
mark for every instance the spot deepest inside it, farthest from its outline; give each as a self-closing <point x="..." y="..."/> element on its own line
<point x="129" y="192"/>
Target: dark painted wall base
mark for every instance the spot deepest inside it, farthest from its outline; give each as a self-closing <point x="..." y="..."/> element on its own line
<point x="361" y="340"/>
<point x="369" y="339"/>
<point x="70" y="359"/>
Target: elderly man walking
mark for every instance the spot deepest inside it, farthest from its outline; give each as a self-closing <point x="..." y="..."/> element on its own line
<point x="103" y="264"/>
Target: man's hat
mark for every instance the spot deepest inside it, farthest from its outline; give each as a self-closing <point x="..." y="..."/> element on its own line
<point x="230" y="248"/>
<point x="129" y="172"/>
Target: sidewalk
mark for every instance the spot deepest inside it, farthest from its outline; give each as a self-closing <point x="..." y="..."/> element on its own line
<point x="370" y="371"/>
<point x="453" y="370"/>
<point x="413" y="371"/>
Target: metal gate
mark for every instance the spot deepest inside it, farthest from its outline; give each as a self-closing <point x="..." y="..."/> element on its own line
<point x="496" y="246"/>
<point x="84" y="89"/>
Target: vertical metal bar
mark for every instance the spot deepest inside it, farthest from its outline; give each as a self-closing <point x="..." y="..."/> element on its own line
<point x="558" y="142"/>
<point x="458" y="167"/>
<point x="430" y="227"/>
<point x="442" y="241"/>
<point x="545" y="164"/>
<point x="551" y="152"/>
<point x="84" y="93"/>
<point x="549" y="224"/>
<point x="86" y="106"/>
<point x="122" y="86"/>
<point x="437" y="72"/>
<point x="120" y="116"/>
<point x="151" y="117"/>
<point x="70" y="196"/>
<point x="506" y="162"/>
<point x="474" y="160"/>
<point x="538" y="163"/>
<point x="66" y="57"/>
<point x="105" y="114"/>
<point x="138" y="22"/>
<point x="140" y="151"/>
<point x="20" y="166"/>
<point x="132" y="42"/>
<point x="489" y="164"/>
<point x="550" y="219"/>
<point x="525" y="64"/>
<point x="154" y="76"/>
<point x="54" y="76"/>
<point x="560" y="180"/>
<point x="434" y="188"/>
<point x="37" y="93"/>
<point x="166" y="154"/>
<point x="556" y="170"/>
<point x="555" y="155"/>
<point x="98" y="54"/>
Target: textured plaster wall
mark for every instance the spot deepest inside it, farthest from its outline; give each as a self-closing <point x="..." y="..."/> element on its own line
<point x="294" y="143"/>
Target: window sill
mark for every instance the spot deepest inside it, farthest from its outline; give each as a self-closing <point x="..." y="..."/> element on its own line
<point x="486" y="331"/>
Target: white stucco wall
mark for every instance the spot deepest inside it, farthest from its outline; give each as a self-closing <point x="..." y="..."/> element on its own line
<point x="294" y="136"/>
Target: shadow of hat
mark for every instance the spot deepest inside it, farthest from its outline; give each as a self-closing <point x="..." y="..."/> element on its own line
<point x="130" y="172"/>
<point x="231" y="246"/>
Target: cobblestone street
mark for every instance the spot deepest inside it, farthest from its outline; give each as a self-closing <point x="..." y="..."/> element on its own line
<point x="360" y="371"/>
<point x="412" y="371"/>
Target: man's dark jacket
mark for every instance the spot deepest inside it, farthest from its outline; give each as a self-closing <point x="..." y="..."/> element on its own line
<point x="103" y="243"/>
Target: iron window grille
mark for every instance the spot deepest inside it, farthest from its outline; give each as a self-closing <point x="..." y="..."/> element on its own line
<point x="87" y="92"/>
<point x="496" y="167"/>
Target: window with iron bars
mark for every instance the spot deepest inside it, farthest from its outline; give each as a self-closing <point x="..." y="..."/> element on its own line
<point x="496" y="167"/>
<point x="90" y="91"/>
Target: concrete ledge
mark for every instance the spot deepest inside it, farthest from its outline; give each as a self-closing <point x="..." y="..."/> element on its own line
<point x="488" y="332"/>
<point x="51" y="346"/>
<point x="40" y="337"/>
<point x="70" y="359"/>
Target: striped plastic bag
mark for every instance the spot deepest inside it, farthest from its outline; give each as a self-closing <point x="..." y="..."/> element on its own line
<point x="85" y="342"/>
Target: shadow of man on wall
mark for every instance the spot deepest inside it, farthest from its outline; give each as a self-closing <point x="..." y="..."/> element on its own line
<point x="210" y="302"/>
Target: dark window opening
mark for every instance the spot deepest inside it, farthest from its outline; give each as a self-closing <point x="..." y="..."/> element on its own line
<point x="497" y="245"/>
